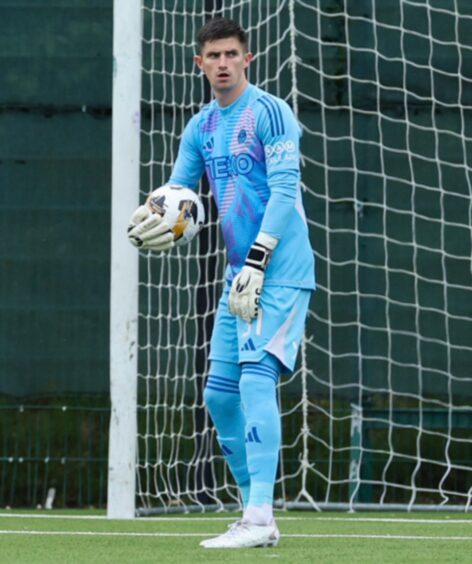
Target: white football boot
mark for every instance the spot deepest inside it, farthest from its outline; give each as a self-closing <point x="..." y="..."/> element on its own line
<point x="244" y="534"/>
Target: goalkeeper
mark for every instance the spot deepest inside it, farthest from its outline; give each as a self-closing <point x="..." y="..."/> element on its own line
<point x="247" y="142"/>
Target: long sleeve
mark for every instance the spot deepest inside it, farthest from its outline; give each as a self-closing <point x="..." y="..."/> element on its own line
<point x="280" y="135"/>
<point x="189" y="165"/>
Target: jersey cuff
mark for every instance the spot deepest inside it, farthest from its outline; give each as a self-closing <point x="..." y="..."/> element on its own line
<point x="267" y="240"/>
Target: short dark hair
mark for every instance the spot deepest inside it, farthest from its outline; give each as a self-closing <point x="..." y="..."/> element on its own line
<point x="221" y="28"/>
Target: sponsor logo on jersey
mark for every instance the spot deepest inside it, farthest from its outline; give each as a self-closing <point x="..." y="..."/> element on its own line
<point x="229" y="165"/>
<point x="280" y="151"/>
<point x="279" y="148"/>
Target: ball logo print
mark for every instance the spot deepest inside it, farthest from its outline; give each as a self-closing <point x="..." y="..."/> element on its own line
<point x="181" y="208"/>
<point x="188" y="213"/>
<point x="157" y="204"/>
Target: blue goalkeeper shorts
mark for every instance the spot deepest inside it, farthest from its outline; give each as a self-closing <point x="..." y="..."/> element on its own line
<point x="278" y="328"/>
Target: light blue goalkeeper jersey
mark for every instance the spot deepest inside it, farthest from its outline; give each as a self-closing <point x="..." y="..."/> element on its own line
<point x="250" y="152"/>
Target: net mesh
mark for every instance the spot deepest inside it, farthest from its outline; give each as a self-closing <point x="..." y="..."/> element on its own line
<point x="378" y="409"/>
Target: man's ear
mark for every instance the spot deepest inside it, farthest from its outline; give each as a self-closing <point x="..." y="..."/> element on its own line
<point x="248" y="58"/>
<point x="198" y="61"/>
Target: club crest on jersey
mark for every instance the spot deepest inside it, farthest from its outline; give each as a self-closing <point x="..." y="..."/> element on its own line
<point x="242" y="136"/>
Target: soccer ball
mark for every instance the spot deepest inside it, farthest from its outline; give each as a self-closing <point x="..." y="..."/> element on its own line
<point x="181" y="208"/>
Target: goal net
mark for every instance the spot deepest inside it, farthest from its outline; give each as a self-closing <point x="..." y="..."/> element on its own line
<point x="378" y="411"/>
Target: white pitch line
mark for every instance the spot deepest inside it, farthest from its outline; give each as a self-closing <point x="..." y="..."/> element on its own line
<point x="397" y="520"/>
<point x="164" y="518"/>
<point x="298" y="536"/>
<point x="46" y="516"/>
<point x="384" y="537"/>
<point x="101" y="534"/>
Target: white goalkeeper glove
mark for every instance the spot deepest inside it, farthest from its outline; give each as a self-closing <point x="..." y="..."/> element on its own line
<point x="246" y="288"/>
<point x="149" y="231"/>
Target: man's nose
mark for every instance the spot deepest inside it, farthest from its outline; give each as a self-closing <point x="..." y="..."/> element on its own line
<point x="222" y="61"/>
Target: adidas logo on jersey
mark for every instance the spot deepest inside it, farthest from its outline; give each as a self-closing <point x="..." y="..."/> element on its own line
<point x="209" y="145"/>
<point x="252" y="436"/>
<point x="248" y="346"/>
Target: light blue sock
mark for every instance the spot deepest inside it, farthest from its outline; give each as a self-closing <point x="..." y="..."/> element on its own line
<point x="263" y="430"/>
<point x="223" y="400"/>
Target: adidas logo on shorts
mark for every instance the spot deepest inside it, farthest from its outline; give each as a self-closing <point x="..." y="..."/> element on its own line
<point x="248" y="346"/>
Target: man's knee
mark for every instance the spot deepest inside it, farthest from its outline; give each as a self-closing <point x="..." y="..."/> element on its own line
<point x="222" y="389"/>
<point x="217" y="400"/>
<point x="258" y="382"/>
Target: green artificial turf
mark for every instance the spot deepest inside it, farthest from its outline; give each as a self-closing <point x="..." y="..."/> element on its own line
<point x="54" y="536"/>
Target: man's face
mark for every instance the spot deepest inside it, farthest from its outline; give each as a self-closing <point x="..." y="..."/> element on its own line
<point x="223" y="61"/>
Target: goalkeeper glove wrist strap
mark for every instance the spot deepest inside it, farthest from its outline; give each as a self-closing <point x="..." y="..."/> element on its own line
<point x="261" y="251"/>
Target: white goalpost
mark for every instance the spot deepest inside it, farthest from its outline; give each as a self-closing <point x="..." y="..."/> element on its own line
<point x="378" y="412"/>
<point x="124" y="261"/>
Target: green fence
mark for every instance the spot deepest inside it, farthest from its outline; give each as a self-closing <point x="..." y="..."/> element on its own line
<point x="55" y="174"/>
<point x="54" y="449"/>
